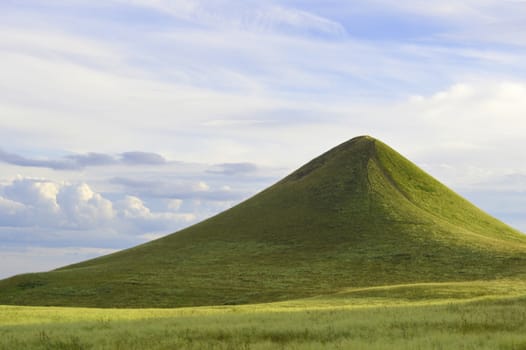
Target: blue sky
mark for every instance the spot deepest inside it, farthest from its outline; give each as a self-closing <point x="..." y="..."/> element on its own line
<point x="124" y="120"/>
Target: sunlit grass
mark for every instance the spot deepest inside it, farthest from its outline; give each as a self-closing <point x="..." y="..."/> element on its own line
<point x="474" y="315"/>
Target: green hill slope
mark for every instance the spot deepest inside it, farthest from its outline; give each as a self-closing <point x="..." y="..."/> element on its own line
<point x="359" y="215"/>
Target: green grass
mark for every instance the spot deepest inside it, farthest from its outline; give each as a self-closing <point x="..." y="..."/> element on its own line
<point x="466" y="315"/>
<point x="360" y="215"/>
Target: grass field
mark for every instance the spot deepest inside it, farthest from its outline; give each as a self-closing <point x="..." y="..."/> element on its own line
<point x="470" y="315"/>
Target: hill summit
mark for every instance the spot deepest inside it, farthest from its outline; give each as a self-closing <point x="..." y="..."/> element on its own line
<point x="359" y="215"/>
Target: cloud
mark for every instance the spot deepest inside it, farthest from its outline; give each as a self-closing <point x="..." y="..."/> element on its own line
<point x="252" y="16"/>
<point x="133" y="207"/>
<point x="194" y="190"/>
<point x="40" y="218"/>
<point x="233" y="168"/>
<point x="9" y="208"/>
<point x="39" y="204"/>
<point x="174" y="204"/>
<point x="44" y="203"/>
<point x="253" y="78"/>
<point x="200" y="186"/>
<point x="133" y="210"/>
<point x="32" y="203"/>
<point x="140" y="211"/>
<point x="142" y="158"/>
<point x="16" y="159"/>
<point x="475" y="112"/>
<point x="59" y="45"/>
<point x="83" y="207"/>
<point x="81" y="161"/>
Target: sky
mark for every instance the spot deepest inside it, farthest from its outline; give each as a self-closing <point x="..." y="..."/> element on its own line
<point x="125" y="120"/>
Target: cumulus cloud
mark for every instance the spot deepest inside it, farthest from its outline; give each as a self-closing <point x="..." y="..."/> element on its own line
<point x="34" y="191"/>
<point x="44" y="203"/>
<point x="83" y="207"/>
<point x="28" y="202"/>
<point x="134" y="211"/>
<point x="133" y="207"/>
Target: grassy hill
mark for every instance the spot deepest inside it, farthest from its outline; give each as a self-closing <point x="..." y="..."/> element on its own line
<point x="360" y="215"/>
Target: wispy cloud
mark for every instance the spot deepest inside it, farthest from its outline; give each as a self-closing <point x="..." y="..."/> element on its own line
<point x="255" y="16"/>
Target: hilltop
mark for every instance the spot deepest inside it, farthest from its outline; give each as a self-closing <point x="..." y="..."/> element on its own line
<point x="360" y="215"/>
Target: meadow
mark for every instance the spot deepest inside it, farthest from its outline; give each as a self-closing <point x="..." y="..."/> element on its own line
<point x="462" y="315"/>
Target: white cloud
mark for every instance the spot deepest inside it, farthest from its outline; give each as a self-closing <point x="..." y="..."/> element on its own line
<point x="201" y="186"/>
<point x="174" y="204"/>
<point x="34" y="192"/>
<point x="83" y="207"/>
<point x="132" y="207"/>
<point x="44" y="203"/>
<point x="139" y="219"/>
<point x="40" y="211"/>
<point x="47" y="204"/>
<point x="474" y="112"/>
<point x="9" y="207"/>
